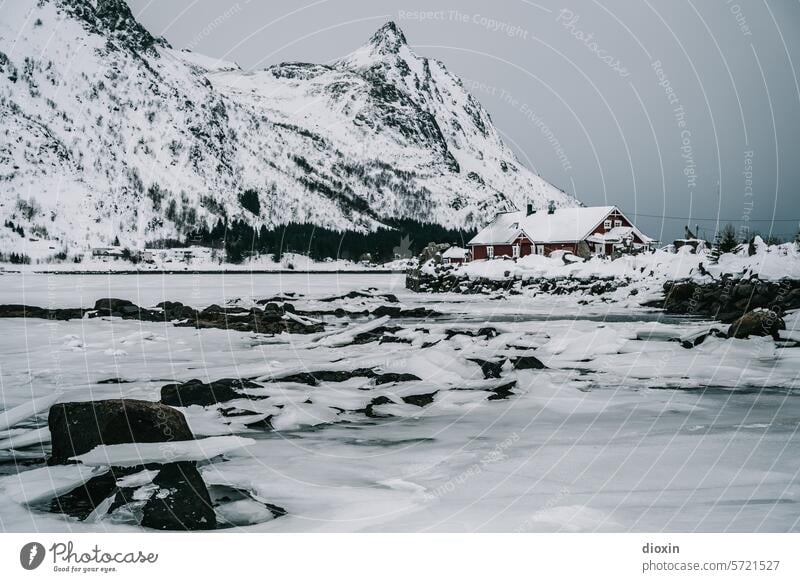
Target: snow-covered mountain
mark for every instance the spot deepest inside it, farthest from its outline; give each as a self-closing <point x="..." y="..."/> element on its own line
<point x="108" y="131"/>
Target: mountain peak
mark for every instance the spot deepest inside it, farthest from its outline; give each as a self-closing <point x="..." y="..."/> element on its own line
<point x="388" y="37"/>
<point x="385" y="44"/>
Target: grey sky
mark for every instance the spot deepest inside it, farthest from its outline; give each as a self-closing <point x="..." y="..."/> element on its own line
<point x="591" y="115"/>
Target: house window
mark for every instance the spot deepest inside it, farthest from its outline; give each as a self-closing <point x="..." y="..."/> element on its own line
<point x="617" y="223"/>
<point x="539" y="249"/>
<point x="515" y="251"/>
<point x="490" y="252"/>
<point x="607" y="225"/>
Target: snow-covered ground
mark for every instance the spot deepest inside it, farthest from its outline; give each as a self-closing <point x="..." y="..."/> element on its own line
<point x="623" y="431"/>
<point x="769" y="262"/>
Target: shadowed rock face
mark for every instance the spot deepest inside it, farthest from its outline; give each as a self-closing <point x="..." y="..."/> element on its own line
<point x="270" y="319"/>
<point x="78" y="427"/>
<point x="181" y="501"/>
<point x="759" y="322"/>
<point x="196" y="392"/>
<point x="177" y="498"/>
<point x="728" y="299"/>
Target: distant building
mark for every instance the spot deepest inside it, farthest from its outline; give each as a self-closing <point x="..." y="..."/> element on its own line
<point x="602" y="229"/>
<point x="182" y="255"/>
<point x="455" y="256"/>
<point x="113" y="252"/>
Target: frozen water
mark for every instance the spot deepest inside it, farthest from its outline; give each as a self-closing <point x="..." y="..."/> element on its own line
<point x="625" y="430"/>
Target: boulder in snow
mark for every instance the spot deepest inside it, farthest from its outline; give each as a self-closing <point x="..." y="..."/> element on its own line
<point x="78" y="427"/>
<point x="196" y="392"/>
<point x="758" y="322"/>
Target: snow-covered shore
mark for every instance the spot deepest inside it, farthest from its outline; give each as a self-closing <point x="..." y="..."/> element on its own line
<point x="632" y="280"/>
<point x="768" y="263"/>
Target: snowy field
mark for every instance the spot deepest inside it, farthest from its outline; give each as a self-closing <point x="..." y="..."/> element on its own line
<point x="622" y="431"/>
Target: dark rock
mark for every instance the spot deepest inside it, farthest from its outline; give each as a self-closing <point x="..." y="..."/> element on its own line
<point x="486" y="332"/>
<point x="181" y="502"/>
<point x="299" y="378"/>
<point x="528" y="363"/>
<point x="114" y="381"/>
<point x="195" y="392"/>
<point x="502" y="392"/>
<point x="269" y="320"/>
<point x="82" y="501"/>
<point x="32" y="312"/>
<point x="221" y="495"/>
<point x="374" y="335"/>
<point x="420" y="399"/>
<point x="490" y="369"/>
<point x="394" y="311"/>
<point x="759" y="322"/>
<point x="378" y="401"/>
<point x="262" y="424"/>
<point x="114" y="305"/>
<point x="395" y="377"/>
<point x="78" y="427"/>
<point x="313" y="378"/>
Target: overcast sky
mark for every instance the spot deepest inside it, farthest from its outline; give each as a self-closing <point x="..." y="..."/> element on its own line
<point x="648" y="105"/>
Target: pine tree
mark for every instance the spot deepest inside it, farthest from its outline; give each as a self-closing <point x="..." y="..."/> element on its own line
<point x="724" y="242"/>
<point x="728" y="241"/>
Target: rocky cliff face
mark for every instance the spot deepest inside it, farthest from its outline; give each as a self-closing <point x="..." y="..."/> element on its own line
<point x="109" y="132"/>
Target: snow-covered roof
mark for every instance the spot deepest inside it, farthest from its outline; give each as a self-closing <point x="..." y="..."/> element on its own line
<point x="503" y="229"/>
<point x="615" y="235"/>
<point x="563" y="225"/>
<point x="455" y="253"/>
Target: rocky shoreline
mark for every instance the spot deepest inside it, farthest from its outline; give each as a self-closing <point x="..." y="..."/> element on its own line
<point x="446" y="280"/>
<point x="752" y="306"/>
<point x="272" y="318"/>
<point x="728" y="298"/>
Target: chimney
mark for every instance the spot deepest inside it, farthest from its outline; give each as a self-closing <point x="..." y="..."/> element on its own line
<point x="530" y="209"/>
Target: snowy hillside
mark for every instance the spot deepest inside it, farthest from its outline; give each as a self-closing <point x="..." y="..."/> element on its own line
<point x="108" y="131"/>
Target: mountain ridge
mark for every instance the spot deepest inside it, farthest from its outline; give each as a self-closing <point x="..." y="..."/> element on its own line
<point x="114" y="133"/>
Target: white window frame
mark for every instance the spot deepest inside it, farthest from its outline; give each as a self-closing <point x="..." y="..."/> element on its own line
<point x="515" y="251"/>
<point x="607" y="224"/>
<point x="617" y="222"/>
<point x="599" y="249"/>
<point x="539" y="249"/>
<point x="490" y="252"/>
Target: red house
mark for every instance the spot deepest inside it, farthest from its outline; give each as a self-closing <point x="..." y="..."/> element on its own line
<point x="517" y="234"/>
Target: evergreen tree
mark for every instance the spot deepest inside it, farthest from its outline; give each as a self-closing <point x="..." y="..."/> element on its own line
<point x="728" y="241"/>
